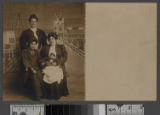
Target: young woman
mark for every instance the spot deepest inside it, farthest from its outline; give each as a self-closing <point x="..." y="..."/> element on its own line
<point x="33" y="31"/>
<point x="54" y="57"/>
<point x="32" y="74"/>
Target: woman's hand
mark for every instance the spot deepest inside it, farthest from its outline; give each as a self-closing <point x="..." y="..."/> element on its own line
<point x="53" y="62"/>
<point x="33" y="70"/>
<point x="43" y="63"/>
<point x="26" y="69"/>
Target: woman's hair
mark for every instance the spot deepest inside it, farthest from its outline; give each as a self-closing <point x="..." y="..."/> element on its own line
<point x="53" y="34"/>
<point x="32" y="16"/>
<point x="33" y="39"/>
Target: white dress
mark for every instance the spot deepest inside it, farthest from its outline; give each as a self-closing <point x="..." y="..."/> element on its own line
<point x="52" y="73"/>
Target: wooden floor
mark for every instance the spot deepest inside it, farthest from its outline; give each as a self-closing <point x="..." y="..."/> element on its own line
<point x="76" y="84"/>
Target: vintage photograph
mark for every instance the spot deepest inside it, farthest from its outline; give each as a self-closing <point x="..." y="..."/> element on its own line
<point x="125" y="109"/>
<point x="43" y="51"/>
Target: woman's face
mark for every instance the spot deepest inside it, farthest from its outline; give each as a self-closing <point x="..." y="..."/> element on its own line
<point x="33" y="23"/>
<point x="52" y="40"/>
<point x="33" y="45"/>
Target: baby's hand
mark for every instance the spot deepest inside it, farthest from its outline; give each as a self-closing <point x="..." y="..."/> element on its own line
<point x="51" y="60"/>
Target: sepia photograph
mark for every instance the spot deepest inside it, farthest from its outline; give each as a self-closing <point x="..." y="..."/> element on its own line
<point x="43" y="51"/>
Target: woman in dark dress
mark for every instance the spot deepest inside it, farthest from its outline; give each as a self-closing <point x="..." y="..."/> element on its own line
<point x="33" y="32"/>
<point x="53" y="58"/>
<point x="32" y="75"/>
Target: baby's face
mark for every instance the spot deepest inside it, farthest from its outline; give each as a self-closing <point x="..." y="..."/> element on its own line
<point x="52" y="56"/>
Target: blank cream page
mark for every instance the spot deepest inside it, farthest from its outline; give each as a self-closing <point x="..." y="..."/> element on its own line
<point x="121" y="52"/>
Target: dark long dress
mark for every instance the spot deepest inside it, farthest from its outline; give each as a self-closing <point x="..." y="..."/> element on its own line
<point x="33" y="81"/>
<point x="56" y="90"/>
<point x="25" y="36"/>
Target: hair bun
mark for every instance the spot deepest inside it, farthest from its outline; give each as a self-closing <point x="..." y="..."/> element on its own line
<point x="53" y="34"/>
